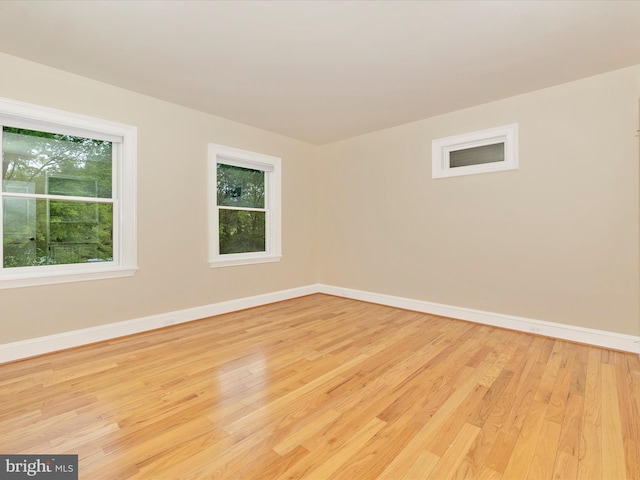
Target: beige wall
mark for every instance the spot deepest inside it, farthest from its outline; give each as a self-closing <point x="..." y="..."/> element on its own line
<point x="556" y="240"/>
<point x="172" y="216"/>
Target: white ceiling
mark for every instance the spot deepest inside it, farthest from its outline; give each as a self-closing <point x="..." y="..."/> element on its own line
<point x="320" y="71"/>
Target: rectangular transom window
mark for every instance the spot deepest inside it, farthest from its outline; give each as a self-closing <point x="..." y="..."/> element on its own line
<point x="244" y="218"/>
<point x="67" y="213"/>
<point x="484" y="151"/>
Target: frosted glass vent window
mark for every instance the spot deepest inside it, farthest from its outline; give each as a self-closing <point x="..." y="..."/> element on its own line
<point x="484" y="151"/>
<point x="476" y="155"/>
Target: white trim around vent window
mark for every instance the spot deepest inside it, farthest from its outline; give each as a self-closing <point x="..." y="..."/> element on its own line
<point x="483" y="151"/>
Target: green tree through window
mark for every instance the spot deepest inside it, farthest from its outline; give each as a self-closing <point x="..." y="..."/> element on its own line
<point x="242" y="216"/>
<point x="244" y="207"/>
<point x="57" y="198"/>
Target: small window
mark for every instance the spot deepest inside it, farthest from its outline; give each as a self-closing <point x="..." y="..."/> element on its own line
<point x="244" y="217"/>
<point x="67" y="203"/>
<point x="484" y="151"/>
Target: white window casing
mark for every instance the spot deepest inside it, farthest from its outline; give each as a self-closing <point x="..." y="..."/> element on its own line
<point x="123" y="194"/>
<point x="271" y="166"/>
<point x="475" y="149"/>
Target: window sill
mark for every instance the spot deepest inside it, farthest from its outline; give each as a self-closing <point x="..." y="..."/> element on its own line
<point x="243" y="259"/>
<point x="62" y="275"/>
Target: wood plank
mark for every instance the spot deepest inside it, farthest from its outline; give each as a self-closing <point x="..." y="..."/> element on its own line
<point x="525" y="382"/>
<point x="613" y="456"/>
<point x="630" y="430"/>
<point x="327" y="387"/>
<point x="413" y="448"/>
<point x="355" y="443"/>
<point x="566" y="466"/>
<point x="589" y="458"/>
<point x="422" y="467"/>
<point x="525" y="447"/>
<point x="544" y="457"/>
<point x="453" y="457"/>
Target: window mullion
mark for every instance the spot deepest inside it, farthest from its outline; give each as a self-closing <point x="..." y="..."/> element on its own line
<point x="245" y="209"/>
<point x="69" y="198"/>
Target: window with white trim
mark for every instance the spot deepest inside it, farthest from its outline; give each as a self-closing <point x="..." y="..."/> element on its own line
<point x="491" y="150"/>
<point x="244" y="207"/>
<point x="68" y="198"/>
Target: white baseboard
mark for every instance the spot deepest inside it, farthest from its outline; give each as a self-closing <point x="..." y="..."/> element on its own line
<point x="600" y="338"/>
<point x="51" y="343"/>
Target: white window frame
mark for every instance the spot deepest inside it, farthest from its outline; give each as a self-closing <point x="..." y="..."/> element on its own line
<point x="271" y="166"/>
<point x="124" y="138"/>
<point x="441" y="149"/>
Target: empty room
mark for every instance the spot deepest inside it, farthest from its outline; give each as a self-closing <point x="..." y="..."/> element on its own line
<point x="320" y="240"/>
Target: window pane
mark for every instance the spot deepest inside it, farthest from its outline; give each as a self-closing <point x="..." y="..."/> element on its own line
<point x="241" y="231"/>
<point x="477" y="155"/>
<point x="57" y="164"/>
<point x="56" y="232"/>
<point x="240" y="187"/>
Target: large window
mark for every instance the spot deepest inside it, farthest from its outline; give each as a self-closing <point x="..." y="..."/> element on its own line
<point x="244" y="216"/>
<point x="68" y="197"/>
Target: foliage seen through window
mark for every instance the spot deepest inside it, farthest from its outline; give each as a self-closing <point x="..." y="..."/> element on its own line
<point x="241" y="209"/>
<point x="40" y="225"/>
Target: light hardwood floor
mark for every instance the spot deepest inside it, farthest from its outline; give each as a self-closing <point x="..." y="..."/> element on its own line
<point x="322" y="387"/>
